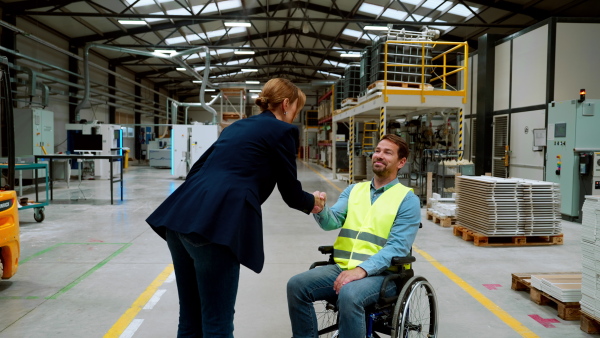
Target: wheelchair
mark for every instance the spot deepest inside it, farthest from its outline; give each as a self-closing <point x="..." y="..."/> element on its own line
<point x="411" y="313"/>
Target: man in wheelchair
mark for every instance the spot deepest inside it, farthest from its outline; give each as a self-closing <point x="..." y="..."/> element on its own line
<point x="378" y="220"/>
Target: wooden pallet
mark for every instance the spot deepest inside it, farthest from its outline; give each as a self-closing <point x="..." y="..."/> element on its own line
<point x="378" y="85"/>
<point x="444" y="221"/>
<point x="566" y="310"/>
<point x="589" y="323"/>
<point x="483" y="240"/>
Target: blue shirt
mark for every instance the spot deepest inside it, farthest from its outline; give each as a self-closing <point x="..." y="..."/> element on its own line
<point x="402" y="234"/>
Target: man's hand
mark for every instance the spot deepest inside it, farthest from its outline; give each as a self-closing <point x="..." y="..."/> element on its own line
<point x="320" y="199"/>
<point x="348" y="276"/>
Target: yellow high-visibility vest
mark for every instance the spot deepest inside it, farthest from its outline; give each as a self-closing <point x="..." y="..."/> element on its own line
<point x="367" y="227"/>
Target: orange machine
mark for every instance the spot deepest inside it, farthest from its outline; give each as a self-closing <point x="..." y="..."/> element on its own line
<point x="9" y="233"/>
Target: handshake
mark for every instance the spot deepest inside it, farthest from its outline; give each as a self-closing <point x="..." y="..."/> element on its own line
<point x="320" y="199"/>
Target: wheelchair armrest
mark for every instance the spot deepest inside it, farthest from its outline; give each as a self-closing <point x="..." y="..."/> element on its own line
<point x="320" y="263"/>
<point x="326" y="249"/>
<point x="397" y="261"/>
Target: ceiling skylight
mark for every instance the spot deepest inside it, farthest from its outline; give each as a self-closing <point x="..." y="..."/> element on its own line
<point x="433" y="4"/>
<point x="394" y="14"/>
<point x="146" y="2"/>
<point x="336" y="64"/>
<point x="462" y="10"/>
<point x="211" y="34"/>
<point x="357" y="34"/>
<point x="370" y="9"/>
<point x="210" y="8"/>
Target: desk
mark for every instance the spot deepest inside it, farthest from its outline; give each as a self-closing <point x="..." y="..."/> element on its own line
<point x="110" y="158"/>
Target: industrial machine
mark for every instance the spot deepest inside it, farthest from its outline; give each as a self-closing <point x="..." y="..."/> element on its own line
<point x="96" y="138"/>
<point x="572" y="143"/>
<point x="188" y="143"/>
<point x="159" y="153"/>
<point x="36" y="131"/>
<point x="596" y="174"/>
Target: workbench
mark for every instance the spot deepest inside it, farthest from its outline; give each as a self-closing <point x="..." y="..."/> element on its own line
<point x="110" y="158"/>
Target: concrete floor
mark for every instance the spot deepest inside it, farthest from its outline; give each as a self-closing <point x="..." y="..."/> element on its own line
<point x="91" y="267"/>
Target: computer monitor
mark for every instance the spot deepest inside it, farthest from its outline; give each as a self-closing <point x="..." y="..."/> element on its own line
<point x="89" y="143"/>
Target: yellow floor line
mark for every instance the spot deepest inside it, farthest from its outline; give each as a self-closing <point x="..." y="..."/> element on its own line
<point x="117" y="329"/>
<point x="323" y="177"/>
<point x="495" y="309"/>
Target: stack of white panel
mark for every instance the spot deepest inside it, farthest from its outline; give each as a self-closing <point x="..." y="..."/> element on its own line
<point x="540" y="207"/>
<point x="508" y="207"/>
<point x="563" y="287"/>
<point x="442" y="207"/>
<point x="488" y="205"/>
<point x="590" y="252"/>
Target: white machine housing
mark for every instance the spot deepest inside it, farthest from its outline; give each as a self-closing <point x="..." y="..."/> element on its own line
<point x="110" y="140"/>
<point x="159" y="153"/>
<point x="596" y="174"/>
<point x="188" y="143"/>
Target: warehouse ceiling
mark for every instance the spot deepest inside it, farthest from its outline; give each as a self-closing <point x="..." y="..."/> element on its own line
<point x="299" y="40"/>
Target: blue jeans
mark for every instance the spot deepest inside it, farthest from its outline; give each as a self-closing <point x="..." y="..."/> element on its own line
<point x="317" y="284"/>
<point x="207" y="276"/>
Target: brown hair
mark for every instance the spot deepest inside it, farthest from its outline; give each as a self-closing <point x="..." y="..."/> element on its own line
<point x="278" y="89"/>
<point x="403" y="150"/>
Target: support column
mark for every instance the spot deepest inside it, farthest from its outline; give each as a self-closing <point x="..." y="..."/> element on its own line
<point x="351" y="150"/>
<point x="382" y="124"/>
<point x="485" y="103"/>
<point x="461" y="151"/>
<point x="112" y="82"/>
<point x="137" y="120"/>
<point x="156" y="110"/>
<point x="7" y="40"/>
<point x="73" y="91"/>
<point x="334" y="148"/>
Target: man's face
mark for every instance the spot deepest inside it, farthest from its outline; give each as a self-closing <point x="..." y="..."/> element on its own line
<point x="385" y="159"/>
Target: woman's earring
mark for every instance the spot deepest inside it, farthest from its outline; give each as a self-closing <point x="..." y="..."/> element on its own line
<point x="284" y="113"/>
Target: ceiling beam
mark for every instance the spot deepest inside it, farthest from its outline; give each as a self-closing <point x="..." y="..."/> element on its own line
<point x="535" y="13"/>
<point x="21" y="6"/>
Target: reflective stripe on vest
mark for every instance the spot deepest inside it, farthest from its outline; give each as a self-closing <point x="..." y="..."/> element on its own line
<point x="367" y="227"/>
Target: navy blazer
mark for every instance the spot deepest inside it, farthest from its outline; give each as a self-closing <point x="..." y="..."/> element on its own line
<point x="222" y="195"/>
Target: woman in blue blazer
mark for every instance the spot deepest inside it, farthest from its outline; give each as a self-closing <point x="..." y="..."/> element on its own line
<point x="213" y="221"/>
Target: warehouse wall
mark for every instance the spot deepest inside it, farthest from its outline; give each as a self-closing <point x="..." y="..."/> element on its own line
<point x="98" y="77"/>
<point x="577" y="54"/>
<point x="547" y="62"/>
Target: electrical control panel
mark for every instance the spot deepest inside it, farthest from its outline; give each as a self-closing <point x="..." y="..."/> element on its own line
<point x="596" y="174"/>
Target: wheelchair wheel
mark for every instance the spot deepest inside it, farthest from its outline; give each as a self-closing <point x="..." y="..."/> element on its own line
<point x="415" y="314"/>
<point x="327" y="319"/>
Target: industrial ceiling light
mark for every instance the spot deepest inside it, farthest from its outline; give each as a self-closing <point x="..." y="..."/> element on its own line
<point x="210" y="90"/>
<point x="249" y="70"/>
<point x="255" y="90"/>
<point x="252" y="82"/>
<point x="180" y="69"/>
<point x="244" y="52"/>
<point x="237" y="24"/>
<point x="132" y="22"/>
<point x="305" y="27"/>
<point x="196" y="81"/>
<point x="164" y="51"/>
<point x="350" y="55"/>
<point x="375" y="28"/>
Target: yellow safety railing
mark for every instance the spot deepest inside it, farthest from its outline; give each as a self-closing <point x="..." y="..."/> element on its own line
<point x="447" y="70"/>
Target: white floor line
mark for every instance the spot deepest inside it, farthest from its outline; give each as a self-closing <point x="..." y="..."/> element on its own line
<point x="171" y="278"/>
<point x="132" y="328"/>
<point x="155" y="298"/>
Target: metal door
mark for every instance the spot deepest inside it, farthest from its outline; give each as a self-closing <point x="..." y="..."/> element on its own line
<point x="500" y="150"/>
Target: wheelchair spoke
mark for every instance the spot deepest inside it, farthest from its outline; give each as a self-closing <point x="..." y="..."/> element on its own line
<point x="416" y="310"/>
